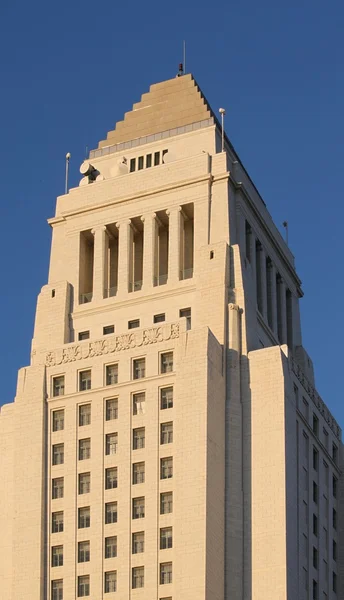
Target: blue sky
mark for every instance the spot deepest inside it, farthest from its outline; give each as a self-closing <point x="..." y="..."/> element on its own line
<point x="71" y="70"/>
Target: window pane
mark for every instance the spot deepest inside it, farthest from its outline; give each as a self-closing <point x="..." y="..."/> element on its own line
<point x="111" y="547"/>
<point x="111" y="512"/>
<point x="138" y="438"/>
<point x="58" y="454"/>
<point x="84" y="381"/>
<point x="111" y="374"/>
<point x="108" y="329"/>
<point x="138" y="544"/>
<point x="57" y="556"/>
<point x="58" y="420"/>
<point x="166" y="503"/>
<point x="110" y="582"/>
<point x="166" y="468"/>
<point x="111" y="409"/>
<point x="166" y="398"/>
<point x="84" y="449"/>
<point x="57" y="488"/>
<point x="166" y="365"/>
<point x="111" y="443"/>
<point x="84" y="415"/>
<point x="84" y="483"/>
<point x="58" y="386"/>
<point x="138" y="579"/>
<point x="84" y="518"/>
<point x="139" y="368"/>
<point x="165" y="573"/>
<point x="165" y="538"/>
<point x="138" y="508"/>
<point x="166" y="433"/>
<point x="111" y="478"/>
<point x="84" y="552"/>
<point x="139" y="403"/>
<point x="138" y="472"/>
<point x="83" y="586"/>
<point x="57" y="522"/>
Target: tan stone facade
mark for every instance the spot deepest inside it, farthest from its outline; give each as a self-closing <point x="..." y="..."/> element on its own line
<point x="166" y="441"/>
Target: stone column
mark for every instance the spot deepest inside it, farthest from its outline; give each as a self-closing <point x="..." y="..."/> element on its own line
<point x="201" y="218"/>
<point x="282" y="311"/>
<point x="273" y="299"/>
<point x="262" y="276"/>
<point x="99" y="234"/>
<point x="173" y="245"/>
<point x="148" y="249"/>
<point x="123" y="256"/>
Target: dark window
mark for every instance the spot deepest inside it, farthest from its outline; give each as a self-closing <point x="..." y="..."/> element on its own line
<point x="156" y="158"/>
<point x="334" y="518"/>
<point x="83" y="335"/>
<point x="132" y="164"/>
<point x="334" y="582"/>
<point x="315" y="590"/>
<point x="140" y="163"/>
<point x="108" y="329"/>
<point x="334" y="453"/>
<point x="334" y="486"/>
<point x="186" y="312"/>
<point x="148" y="161"/>
<point x="315" y="525"/>
<point x="334" y="550"/>
<point x="166" y="398"/>
<point x="315" y="492"/>
<point x="315" y="558"/>
<point x="159" y="318"/>
<point x="133" y="324"/>
<point x="315" y="459"/>
<point x="315" y="424"/>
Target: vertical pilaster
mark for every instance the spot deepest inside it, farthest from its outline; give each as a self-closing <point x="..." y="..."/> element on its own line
<point x="99" y="234"/>
<point x="273" y="299"/>
<point x="148" y="249"/>
<point x="123" y="255"/>
<point x="201" y="218"/>
<point x="174" y="245"/>
<point x="282" y="311"/>
<point x="262" y="278"/>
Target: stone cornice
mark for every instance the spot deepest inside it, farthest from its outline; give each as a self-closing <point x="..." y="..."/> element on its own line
<point x="112" y="344"/>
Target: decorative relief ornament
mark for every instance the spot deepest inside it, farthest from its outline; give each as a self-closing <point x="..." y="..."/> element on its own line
<point x="116" y="343"/>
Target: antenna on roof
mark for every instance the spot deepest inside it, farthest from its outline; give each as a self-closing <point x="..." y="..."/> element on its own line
<point x="222" y="112"/>
<point x="180" y="70"/>
<point x="68" y="155"/>
<point x="184" y="55"/>
<point x="285" y="225"/>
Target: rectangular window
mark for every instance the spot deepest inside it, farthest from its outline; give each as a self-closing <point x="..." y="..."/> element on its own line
<point x="84" y="483"/>
<point x="132" y="165"/>
<point x="110" y="582"/>
<point x="159" y="318"/>
<point x="138" y="577"/>
<point x="148" y="161"/>
<point x="111" y="374"/>
<point x="57" y="556"/>
<point x="166" y="503"/>
<point x="334" y="582"/>
<point x="111" y="443"/>
<point x="84" y="415"/>
<point x="139" y="368"/>
<point x="138" y="543"/>
<point x="315" y="459"/>
<point x="138" y="438"/>
<point x="140" y="163"/>
<point x="305" y="408"/>
<point x="134" y="324"/>
<point x="83" y="335"/>
<point x="139" y="403"/>
<point x="156" y="158"/>
<point x="334" y="486"/>
<point x="58" y="420"/>
<point x="57" y="488"/>
<point x="57" y="522"/>
<point x="315" y="558"/>
<point x="84" y="380"/>
<point x="166" y="362"/>
<point x="85" y="449"/>
<point x="108" y="329"/>
<point x="248" y="237"/>
<point x="334" y="518"/>
<point x="83" y="586"/>
<point x="111" y="547"/>
<point x="334" y="550"/>
<point x="335" y="453"/>
<point x="305" y="578"/>
<point x="315" y="425"/>
<point x="165" y="538"/>
<point x="138" y="508"/>
<point x="186" y="313"/>
<point x="326" y="474"/>
<point x="165" y="573"/>
<point x="315" y="493"/>
<point x="111" y="409"/>
<point x="58" y="454"/>
<point x="166" y="468"/>
<point x="57" y="589"/>
<point x="58" y="386"/>
<point x="166" y="398"/>
<point x="84" y="517"/>
<point x="166" y="433"/>
<point x="305" y="445"/>
<point x="315" y="525"/>
<point x="110" y="512"/>
<point x="315" y="590"/>
<point x="138" y="472"/>
<point x="84" y="551"/>
<point x="111" y="478"/>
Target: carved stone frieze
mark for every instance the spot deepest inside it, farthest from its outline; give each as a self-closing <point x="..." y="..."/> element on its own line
<point x="116" y="343"/>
